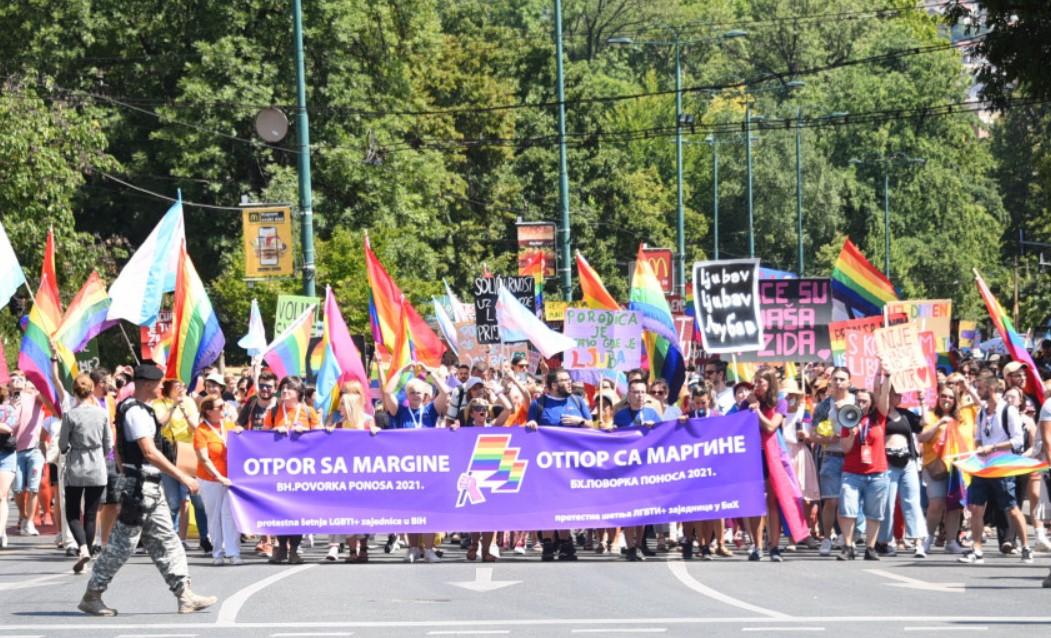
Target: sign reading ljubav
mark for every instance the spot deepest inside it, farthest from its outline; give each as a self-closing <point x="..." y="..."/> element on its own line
<point x="477" y="479"/>
<point x="726" y="302"/>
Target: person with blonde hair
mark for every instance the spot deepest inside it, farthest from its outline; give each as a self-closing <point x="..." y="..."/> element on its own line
<point x="85" y="439"/>
<point x="350" y="414"/>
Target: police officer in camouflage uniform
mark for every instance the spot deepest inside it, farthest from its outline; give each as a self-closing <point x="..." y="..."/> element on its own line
<point x="144" y="511"/>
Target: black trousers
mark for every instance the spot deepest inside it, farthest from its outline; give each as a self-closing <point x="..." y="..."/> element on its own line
<point x="84" y="533"/>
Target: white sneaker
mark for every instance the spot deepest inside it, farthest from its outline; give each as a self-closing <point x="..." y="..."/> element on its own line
<point x="31" y="529"/>
<point x="1043" y="543"/>
<point x="3" y="541"/>
<point x="520" y="550"/>
<point x="921" y="550"/>
<point x="218" y="561"/>
<point x="431" y="556"/>
<point x="494" y="549"/>
<point x="826" y="547"/>
<point x="927" y="542"/>
<point x="333" y="554"/>
<point x="972" y="558"/>
<point x="953" y="547"/>
<point x="236" y="560"/>
<point x="412" y="554"/>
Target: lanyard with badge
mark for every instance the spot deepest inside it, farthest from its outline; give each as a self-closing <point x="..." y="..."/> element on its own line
<point x="417" y="422"/>
<point x="866" y="449"/>
<point x="295" y="417"/>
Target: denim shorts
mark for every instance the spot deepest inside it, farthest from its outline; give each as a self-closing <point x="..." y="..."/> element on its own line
<point x="8" y="462"/>
<point x="936" y="488"/>
<point x="863" y="492"/>
<point x="999" y="490"/>
<point x="30" y="465"/>
<point x="830" y="476"/>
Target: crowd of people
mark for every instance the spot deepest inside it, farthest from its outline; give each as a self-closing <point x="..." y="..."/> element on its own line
<point x="870" y="472"/>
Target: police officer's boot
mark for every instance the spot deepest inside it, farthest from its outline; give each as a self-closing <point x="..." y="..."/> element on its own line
<point x="566" y="550"/>
<point x="92" y="604"/>
<point x="190" y="602"/>
<point x="548" y="553"/>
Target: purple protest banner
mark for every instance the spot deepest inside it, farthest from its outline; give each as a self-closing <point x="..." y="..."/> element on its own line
<point x="479" y="479"/>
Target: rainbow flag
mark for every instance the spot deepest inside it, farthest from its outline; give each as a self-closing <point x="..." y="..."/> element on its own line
<point x="34" y="358"/>
<point x="647" y="298"/>
<point x="1013" y="341"/>
<point x="386" y="308"/>
<point x="591" y="287"/>
<point x="85" y="316"/>
<point x="341" y="362"/>
<point x="287" y="353"/>
<point x="197" y="339"/>
<point x="534" y="266"/>
<point x="1000" y="466"/>
<point x="858" y="284"/>
<point x="666" y="362"/>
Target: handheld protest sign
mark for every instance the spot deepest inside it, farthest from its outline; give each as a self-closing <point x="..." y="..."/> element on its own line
<point x="726" y="302"/>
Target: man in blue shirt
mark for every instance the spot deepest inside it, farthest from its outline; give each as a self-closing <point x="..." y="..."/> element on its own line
<point x="558" y="406"/>
<point x="636" y="413"/>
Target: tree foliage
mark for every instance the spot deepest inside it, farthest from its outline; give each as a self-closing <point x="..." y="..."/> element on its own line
<point x="434" y="130"/>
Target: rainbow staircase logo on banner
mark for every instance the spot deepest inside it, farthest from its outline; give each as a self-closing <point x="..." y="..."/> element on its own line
<point x="494" y="466"/>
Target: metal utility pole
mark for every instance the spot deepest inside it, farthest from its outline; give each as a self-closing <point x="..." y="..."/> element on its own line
<point x="680" y="217"/>
<point x="748" y="159"/>
<point x="715" y="195"/>
<point x="306" y="205"/>
<point x="799" y="185"/>
<point x="563" y="169"/>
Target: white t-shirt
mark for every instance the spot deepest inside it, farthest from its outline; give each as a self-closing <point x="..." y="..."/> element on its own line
<point x="724" y="400"/>
<point x="1045" y="411"/>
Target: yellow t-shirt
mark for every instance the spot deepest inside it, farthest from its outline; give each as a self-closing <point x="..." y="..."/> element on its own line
<point x="175" y="418"/>
<point x="932" y="449"/>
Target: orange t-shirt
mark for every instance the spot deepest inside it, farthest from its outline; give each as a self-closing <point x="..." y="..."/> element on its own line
<point x="206" y="438"/>
<point x="302" y="415"/>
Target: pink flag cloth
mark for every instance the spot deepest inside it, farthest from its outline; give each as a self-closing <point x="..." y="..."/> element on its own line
<point x="347" y="355"/>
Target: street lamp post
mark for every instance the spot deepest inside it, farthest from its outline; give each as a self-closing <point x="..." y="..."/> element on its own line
<point x="306" y="205"/>
<point x="799" y="186"/>
<point x="884" y="161"/>
<point x="715" y="194"/>
<point x="563" y="166"/>
<point x="748" y="160"/>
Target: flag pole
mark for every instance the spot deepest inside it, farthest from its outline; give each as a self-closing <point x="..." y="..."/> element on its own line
<point x="130" y="347"/>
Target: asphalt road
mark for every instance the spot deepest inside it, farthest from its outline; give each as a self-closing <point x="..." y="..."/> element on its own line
<point x="520" y="596"/>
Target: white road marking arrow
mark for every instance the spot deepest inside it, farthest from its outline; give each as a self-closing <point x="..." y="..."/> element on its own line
<point x="483" y="581"/>
<point x="906" y="582"/>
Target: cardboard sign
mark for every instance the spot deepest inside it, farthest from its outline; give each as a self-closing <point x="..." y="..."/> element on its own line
<point x="267" y="242"/>
<point x="291" y="307"/>
<point x="726" y="302"/>
<point x="155" y="340"/>
<point x="795" y="314"/>
<point x="854" y="346"/>
<point x="486" y="290"/>
<point x="555" y="310"/>
<point x="967" y="334"/>
<point x="929" y="314"/>
<point x="606" y="339"/>
<point x="899" y="349"/>
<point x="929" y="396"/>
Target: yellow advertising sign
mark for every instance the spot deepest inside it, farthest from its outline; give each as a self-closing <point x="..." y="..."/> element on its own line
<point x="555" y="310"/>
<point x="268" y="242"/>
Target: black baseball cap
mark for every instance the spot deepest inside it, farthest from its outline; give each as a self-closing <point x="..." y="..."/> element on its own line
<point x="148" y="372"/>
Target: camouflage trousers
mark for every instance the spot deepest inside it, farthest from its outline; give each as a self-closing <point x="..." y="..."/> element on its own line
<point x="158" y="537"/>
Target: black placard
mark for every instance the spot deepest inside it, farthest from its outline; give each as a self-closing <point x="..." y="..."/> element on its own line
<point x="486" y="290"/>
<point x="796" y="314"/>
<point x="726" y="300"/>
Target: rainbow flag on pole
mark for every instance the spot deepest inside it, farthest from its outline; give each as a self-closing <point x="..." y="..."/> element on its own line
<point x="34" y="359"/>
<point x="591" y="287"/>
<point x="287" y="353"/>
<point x="647" y="298"/>
<point x="197" y="339"/>
<point x="1013" y="341"/>
<point x="386" y="305"/>
<point x="859" y="284"/>
<point x="341" y="361"/>
<point x="85" y="316"/>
